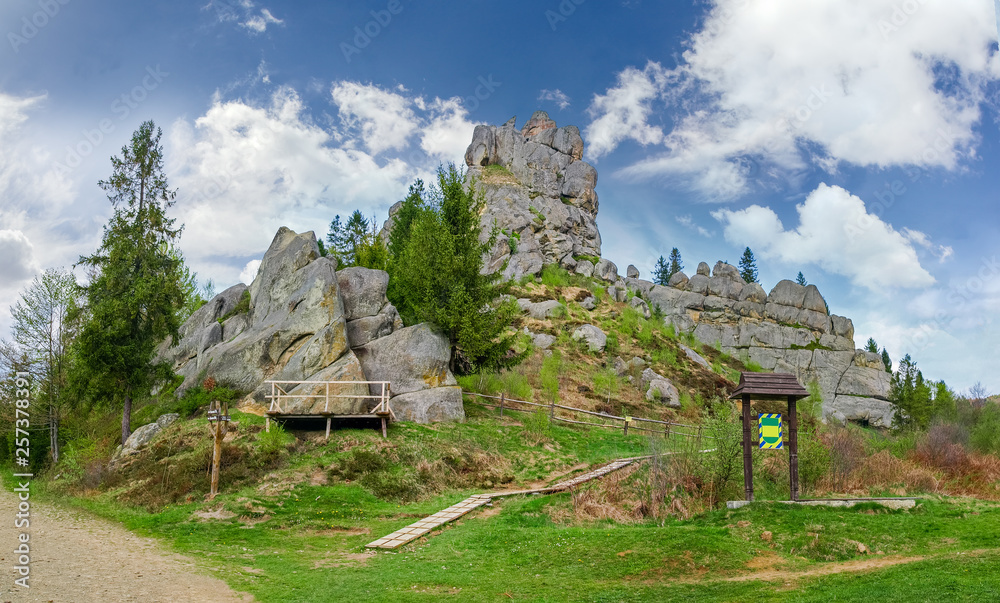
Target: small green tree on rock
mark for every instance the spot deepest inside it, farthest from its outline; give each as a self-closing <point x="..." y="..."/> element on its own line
<point x="675" y="263"/>
<point x="801" y="280"/>
<point x="661" y="272"/>
<point x="748" y="266"/>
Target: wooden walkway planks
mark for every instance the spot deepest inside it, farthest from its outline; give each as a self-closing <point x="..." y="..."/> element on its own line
<point x="424" y="526"/>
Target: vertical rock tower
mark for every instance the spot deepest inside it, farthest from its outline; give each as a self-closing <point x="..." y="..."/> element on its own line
<point x="539" y="192"/>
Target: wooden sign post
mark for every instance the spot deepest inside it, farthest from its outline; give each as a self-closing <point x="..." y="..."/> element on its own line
<point x="218" y="420"/>
<point x="770" y="386"/>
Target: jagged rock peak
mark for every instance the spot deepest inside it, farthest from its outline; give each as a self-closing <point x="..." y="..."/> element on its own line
<point x="541" y="194"/>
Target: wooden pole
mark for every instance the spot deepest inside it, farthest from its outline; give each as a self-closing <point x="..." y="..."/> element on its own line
<point x="503" y="396"/>
<point x="747" y="451"/>
<point x="626" y="426"/>
<point x="793" y="448"/>
<point x="328" y="420"/>
<point x="216" y="452"/>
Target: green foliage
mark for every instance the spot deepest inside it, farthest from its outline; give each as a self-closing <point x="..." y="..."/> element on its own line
<point x="812" y="345"/>
<point x="434" y="269"/>
<point x="549" y="375"/>
<point x="241" y="307"/>
<point x="136" y="291"/>
<point x="606" y="382"/>
<point x="356" y="243"/>
<point x="675" y="263"/>
<point x="274" y="441"/>
<point x="613" y="346"/>
<point x="801" y="280"/>
<point x="886" y="361"/>
<point x="661" y="272"/>
<point x="593" y="259"/>
<point x="748" y="266"/>
<point x="555" y="276"/>
<point x="985" y="437"/>
<point x="196" y="398"/>
<point x="911" y="395"/>
<point x="871" y="346"/>
<point x="511" y="382"/>
<point x="536" y="424"/>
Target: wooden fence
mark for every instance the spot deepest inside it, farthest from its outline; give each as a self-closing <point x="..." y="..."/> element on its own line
<point x="627" y="423"/>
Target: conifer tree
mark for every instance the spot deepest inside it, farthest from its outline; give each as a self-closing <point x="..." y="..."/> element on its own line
<point x="748" y="266"/>
<point x="661" y="272"/>
<point x="801" y="279"/>
<point x="871" y="346"/>
<point x="675" y="263"/>
<point x="886" y="360"/>
<point x="136" y="289"/>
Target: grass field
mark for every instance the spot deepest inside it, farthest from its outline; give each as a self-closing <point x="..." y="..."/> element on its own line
<point x="299" y="534"/>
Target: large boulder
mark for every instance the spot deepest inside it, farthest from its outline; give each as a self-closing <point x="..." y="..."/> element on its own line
<point x="660" y="389"/>
<point x="411" y="359"/>
<point x="595" y="338"/>
<point x="363" y="291"/>
<point x="430" y="405"/>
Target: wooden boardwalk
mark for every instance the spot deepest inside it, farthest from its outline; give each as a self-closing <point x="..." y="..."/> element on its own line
<point x="424" y="526"/>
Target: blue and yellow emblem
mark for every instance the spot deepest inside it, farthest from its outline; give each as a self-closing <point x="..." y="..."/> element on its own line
<point x="769" y="428"/>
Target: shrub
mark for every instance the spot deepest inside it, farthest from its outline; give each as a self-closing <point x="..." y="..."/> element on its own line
<point x="612" y="347"/>
<point x="275" y="440"/>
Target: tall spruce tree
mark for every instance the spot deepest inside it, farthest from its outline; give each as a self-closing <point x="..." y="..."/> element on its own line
<point x="801" y="280"/>
<point x="871" y="346"/>
<point x="748" y="266"/>
<point x="911" y="395"/>
<point x="886" y="361"/>
<point x="435" y="274"/>
<point x="661" y="272"/>
<point x="137" y="284"/>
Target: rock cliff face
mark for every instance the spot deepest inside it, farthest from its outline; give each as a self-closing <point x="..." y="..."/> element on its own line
<point x="787" y="330"/>
<point x="308" y="322"/>
<point x="538" y="191"/>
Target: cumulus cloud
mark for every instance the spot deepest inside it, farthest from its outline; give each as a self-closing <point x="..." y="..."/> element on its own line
<point x="557" y="96"/>
<point x="244" y="169"/>
<point x="623" y="111"/>
<point x="250" y="272"/>
<point x="384" y="119"/>
<point x="835" y="232"/>
<point x="790" y="84"/>
<point x="18" y="257"/>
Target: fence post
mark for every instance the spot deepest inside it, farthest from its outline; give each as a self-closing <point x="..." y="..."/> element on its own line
<point x="503" y="395"/>
<point x="552" y="410"/>
<point x="626" y="421"/>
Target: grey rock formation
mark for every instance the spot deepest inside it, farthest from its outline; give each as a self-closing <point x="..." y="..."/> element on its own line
<point x="678" y="280"/>
<point x="695" y="357"/>
<point x="660" y="389"/>
<point x="542" y="341"/>
<point x="430" y="405"/>
<point x="641" y="306"/>
<point x="632" y="271"/>
<point x="303" y="320"/>
<point x="595" y="338"/>
<point x="544" y="192"/>
<point x="589" y="303"/>
<point x="622" y="367"/>
<point x="584" y="268"/>
<point x="540" y="310"/>
<point x="607" y="271"/>
<point x="142" y="436"/>
<point x="786" y="330"/>
<point x="411" y="359"/>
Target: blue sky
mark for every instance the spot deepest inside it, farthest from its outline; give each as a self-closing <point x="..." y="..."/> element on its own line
<point x="853" y="140"/>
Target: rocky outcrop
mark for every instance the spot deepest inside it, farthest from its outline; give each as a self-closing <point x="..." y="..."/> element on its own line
<point x="660" y="389"/>
<point x="538" y="191"/>
<point x="595" y="338"/>
<point x="308" y="322"/>
<point x="787" y="330"/>
<point x="142" y="436"/>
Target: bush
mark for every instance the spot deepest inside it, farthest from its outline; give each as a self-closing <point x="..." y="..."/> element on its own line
<point x="985" y="437"/>
<point x="275" y="440"/>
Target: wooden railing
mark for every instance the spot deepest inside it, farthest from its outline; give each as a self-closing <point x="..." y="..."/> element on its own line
<point x="279" y="393"/>
<point x="669" y="428"/>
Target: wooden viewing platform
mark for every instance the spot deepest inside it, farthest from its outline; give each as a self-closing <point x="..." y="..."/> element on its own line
<point x="280" y="393"/>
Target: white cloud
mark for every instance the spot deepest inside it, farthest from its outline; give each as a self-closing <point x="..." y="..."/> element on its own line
<point x="687" y="222"/>
<point x="790" y="83"/>
<point x="249" y="272"/>
<point x="942" y="252"/>
<point x="557" y="96"/>
<point x="835" y="232"/>
<point x="18" y="258"/>
<point x="447" y="133"/>
<point x="383" y="119"/>
<point x="242" y="171"/>
<point x="623" y="112"/>
<point x="258" y="23"/>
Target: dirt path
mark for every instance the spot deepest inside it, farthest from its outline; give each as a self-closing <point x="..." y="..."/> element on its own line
<point x="78" y="558"/>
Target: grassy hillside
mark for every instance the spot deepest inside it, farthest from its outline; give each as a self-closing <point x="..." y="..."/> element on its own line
<point x="296" y="511"/>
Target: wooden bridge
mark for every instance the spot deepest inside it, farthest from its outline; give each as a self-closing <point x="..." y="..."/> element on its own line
<point x="283" y="392"/>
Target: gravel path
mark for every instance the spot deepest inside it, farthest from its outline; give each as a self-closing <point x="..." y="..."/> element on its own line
<point x="78" y="558"/>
